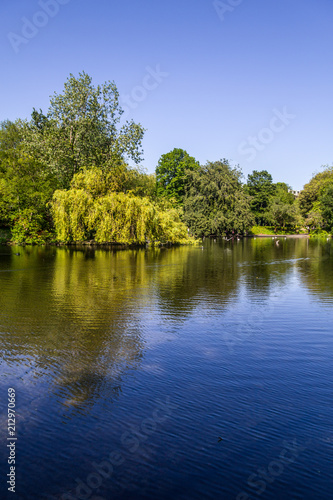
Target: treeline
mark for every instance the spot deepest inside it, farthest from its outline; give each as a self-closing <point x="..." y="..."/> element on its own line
<point x="215" y="201"/>
<point x="65" y="177"/>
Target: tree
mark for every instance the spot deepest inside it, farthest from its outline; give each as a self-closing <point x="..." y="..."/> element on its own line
<point x="261" y="188"/>
<point x="171" y="174"/>
<point x="90" y="210"/>
<point x="26" y="184"/>
<point x="82" y="129"/>
<point x="283" y="209"/>
<point x="215" y="202"/>
<point x="314" y="189"/>
<point x="282" y="214"/>
<point x="326" y="201"/>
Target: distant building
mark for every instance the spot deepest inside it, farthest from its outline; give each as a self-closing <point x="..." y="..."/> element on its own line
<point x="295" y="193"/>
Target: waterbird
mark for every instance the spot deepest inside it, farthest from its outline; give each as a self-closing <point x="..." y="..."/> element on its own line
<point x="219" y="439"/>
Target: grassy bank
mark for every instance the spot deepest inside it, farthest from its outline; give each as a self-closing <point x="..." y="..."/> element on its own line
<point x="275" y="230"/>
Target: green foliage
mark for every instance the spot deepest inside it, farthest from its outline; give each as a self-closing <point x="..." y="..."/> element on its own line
<point x="326" y="201"/>
<point x="89" y="210"/>
<point x="71" y="211"/>
<point x="27" y="228"/>
<point x="141" y="184"/>
<point x="171" y="174"/>
<point x="215" y="202"/>
<point x="261" y="188"/>
<point x="319" y="233"/>
<point x="314" y="219"/>
<point x="82" y="129"/>
<point x="76" y="155"/>
<point x="24" y="182"/>
<point x="316" y="201"/>
<point x="118" y="178"/>
<point x="282" y="214"/>
<point x="314" y="189"/>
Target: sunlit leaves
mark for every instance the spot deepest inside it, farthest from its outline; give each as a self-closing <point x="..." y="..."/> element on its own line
<point x="91" y="210"/>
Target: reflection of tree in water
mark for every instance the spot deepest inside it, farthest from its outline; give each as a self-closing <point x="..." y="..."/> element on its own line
<point x="72" y="319"/>
<point x="76" y="316"/>
<point x="96" y="368"/>
<point x="317" y="272"/>
<point x="214" y="275"/>
<point x="268" y="266"/>
<point x="189" y="277"/>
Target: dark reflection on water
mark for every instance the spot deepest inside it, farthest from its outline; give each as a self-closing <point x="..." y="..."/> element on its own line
<point x="129" y="366"/>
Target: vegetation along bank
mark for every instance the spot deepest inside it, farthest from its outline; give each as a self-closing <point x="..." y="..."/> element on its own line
<point x="74" y="174"/>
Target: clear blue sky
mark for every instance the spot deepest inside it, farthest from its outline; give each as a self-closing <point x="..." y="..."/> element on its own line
<point x="228" y="73"/>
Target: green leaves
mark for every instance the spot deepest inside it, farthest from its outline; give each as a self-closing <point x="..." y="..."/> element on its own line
<point x="82" y="129"/>
<point x="24" y="181"/>
<point x="90" y="210"/>
<point x="261" y="188"/>
<point x="215" y="202"/>
<point x="326" y="201"/>
<point x="171" y="174"/>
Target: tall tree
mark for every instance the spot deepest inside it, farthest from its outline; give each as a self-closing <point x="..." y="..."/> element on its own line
<point x="171" y="174"/>
<point x="82" y="129"/>
<point x="260" y="186"/>
<point x="215" y="202"/>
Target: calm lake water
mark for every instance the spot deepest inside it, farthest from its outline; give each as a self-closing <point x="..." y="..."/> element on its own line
<point x="129" y="367"/>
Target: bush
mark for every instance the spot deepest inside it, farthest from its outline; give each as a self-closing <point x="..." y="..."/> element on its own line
<point x="27" y="228"/>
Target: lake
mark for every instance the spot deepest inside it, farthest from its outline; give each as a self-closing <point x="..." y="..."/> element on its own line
<point x="201" y="372"/>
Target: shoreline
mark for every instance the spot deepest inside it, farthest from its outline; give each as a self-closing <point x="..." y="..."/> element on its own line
<point x="278" y="236"/>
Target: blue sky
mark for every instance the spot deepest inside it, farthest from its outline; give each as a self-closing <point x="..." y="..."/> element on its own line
<point x="247" y="80"/>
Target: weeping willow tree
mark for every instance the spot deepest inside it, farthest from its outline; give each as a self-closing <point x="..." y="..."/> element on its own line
<point x="90" y="209"/>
